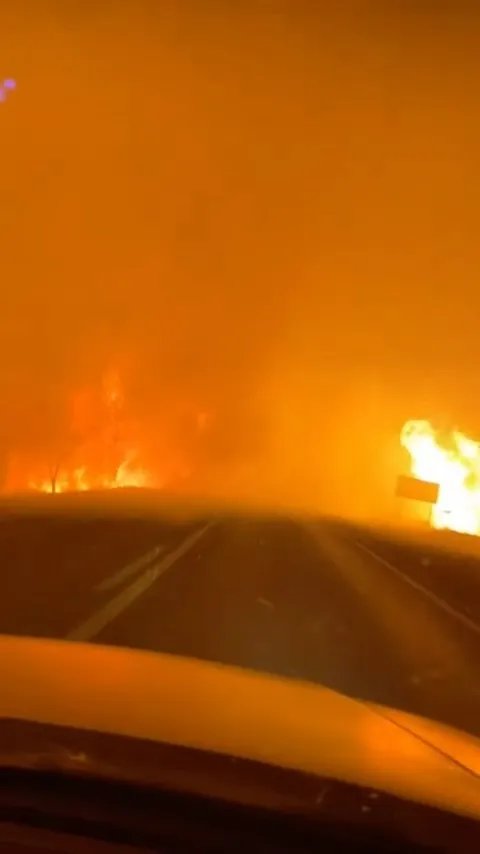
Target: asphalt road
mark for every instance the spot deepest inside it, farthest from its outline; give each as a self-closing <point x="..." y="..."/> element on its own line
<point x="383" y="621"/>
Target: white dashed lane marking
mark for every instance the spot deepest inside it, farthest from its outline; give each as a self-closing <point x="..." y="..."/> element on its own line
<point x="91" y="627"/>
<point x="130" y="569"/>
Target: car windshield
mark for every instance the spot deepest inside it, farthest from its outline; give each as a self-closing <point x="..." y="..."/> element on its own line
<point x="239" y="278"/>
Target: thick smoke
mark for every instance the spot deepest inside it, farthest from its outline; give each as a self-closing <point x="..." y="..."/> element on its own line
<point x="265" y="213"/>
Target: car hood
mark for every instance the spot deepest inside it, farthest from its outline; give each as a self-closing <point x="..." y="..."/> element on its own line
<point x="238" y="713"/>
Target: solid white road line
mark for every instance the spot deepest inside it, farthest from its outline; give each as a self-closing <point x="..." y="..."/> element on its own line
<point x="441" y="603"/>
<point x="99" y="619"/>
<point x="125" y="572"/>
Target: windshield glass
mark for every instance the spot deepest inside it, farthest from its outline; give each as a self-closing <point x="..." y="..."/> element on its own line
<point x="239" y="276"/>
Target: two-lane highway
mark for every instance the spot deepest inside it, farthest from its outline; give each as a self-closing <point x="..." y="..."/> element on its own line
<point x="55" y="569"/>
<point x="310" y="600"/>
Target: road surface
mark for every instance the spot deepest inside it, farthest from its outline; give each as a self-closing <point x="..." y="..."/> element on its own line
<point x="394" y="623"/>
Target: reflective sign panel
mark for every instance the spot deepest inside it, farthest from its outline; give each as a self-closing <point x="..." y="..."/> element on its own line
<point x="416" y="489"/>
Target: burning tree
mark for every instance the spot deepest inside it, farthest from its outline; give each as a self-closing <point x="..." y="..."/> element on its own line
<point x="89" y="447"/>
<point x="91" y="441"/>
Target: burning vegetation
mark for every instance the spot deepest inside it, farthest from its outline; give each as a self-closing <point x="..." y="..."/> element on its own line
<point x="453" y="462"/>
<point x="100" y="448"/>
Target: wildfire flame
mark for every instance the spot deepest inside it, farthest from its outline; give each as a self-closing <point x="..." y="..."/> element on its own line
<point x="453" y="462"/>
<point x="99" y="444"/>
<point x="80" y="479"/>
<point x="111" y="462"/>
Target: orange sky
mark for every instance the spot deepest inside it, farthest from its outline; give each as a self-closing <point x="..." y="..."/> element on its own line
<point x="240" y="202"/>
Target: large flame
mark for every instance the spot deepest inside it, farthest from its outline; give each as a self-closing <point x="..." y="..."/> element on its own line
<point x="81" y="479"/>
<point x="100" y="443"/>
<point x="453" y="462"/>
<point x="100" y="455"/>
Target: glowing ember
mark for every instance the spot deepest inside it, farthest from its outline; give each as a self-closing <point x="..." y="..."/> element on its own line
<point x="454" y="463"/>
